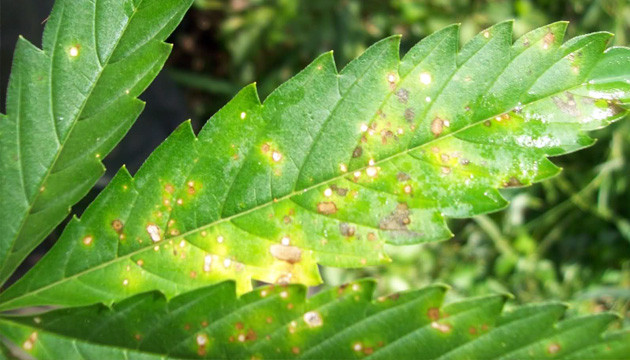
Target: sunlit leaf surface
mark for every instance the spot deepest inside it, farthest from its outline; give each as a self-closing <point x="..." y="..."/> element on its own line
<point x="334" y="165"/>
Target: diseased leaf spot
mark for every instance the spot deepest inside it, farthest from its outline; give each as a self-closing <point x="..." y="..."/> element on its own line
<point x="154" y="232"/>
<point x="398" y="219"/>
<point x="220" y="239"/>
<point x="295" y="350"/>
<point x="326" y="208"/>
<point x="409" y="114"/>
<point x="191" y="188"/>
<point x="243" y="115"/>
<point x="486" y="34"/>
<point x="548" y="40"/>
<point x="313" y="319"/>
<point x="339" y="191"/>
<point x="357" y="347"/>
<point x="437" y="125"/>
<point x="425" y="78"/>
<point x="443" y="328"/>
<point x="74" y="51"/>
<point x="553" y="348"/>
<point x="401" y="176"/>
<point x="568" y="107"/>
<point x="512" y="182"/>
<point x="125" y="282"/>
<point x="30" y="342"/>
<point x="87" y="241"/>
<point x="276" y="156"/>
<point x="169" y="188"/>
<point x="346" y="229"/>
<point x="403" y="95"/>
<point x="358" y="151"/>
<point x="290" y="254"/>
<point x="371" y="171"/>
<point x="117" y="225"/>
<point x="202" y="342"/>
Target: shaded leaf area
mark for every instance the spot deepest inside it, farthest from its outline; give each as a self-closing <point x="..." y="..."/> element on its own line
<point x="69" y="104"/>
<point x="334" y="165"/>
<point x="344" y="322"/>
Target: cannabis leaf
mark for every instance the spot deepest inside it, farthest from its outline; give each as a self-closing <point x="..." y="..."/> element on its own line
<point x="68" y="105"/>
<point x="334" y="165"/>
<point x="339" y="323"/>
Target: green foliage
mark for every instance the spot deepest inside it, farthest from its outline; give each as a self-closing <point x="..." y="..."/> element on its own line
<point x="340" y="323"/>
<point x="335" y="165"/>
<point x="568" y="236"/>
<point x="68" y="105"/>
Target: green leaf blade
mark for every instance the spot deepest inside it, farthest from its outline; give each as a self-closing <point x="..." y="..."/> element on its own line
<point x="334" y="165"/>
<point x="340" y="322"/>
<point x="69" y="104"/>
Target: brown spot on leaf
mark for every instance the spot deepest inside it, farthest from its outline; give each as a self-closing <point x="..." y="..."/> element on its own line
<point x="569" y="106"/>
<point x="513" y="182"/>
<point x="437" y="125"/>
<point x="326" y="207"/>
<point x="409" y="114"/>
<point x="117" y="225"/>
<point x="398" y="219"/>
<point x="290" y="254"/>
<point x="548" y="40"/>
<point x="385" y="135"/>
<point x="403" y="95"/>
<point x="433" y="313"/>
<point x="251" y="335"/>
<point x="338" y="190"/>
<point x="553" y="348"/>
<point x="401" y="176"/>
<point x="346" y="229"/>
<point x="358" y="151"/>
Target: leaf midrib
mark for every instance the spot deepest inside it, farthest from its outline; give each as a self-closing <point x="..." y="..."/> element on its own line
<point x="297" y="192"/>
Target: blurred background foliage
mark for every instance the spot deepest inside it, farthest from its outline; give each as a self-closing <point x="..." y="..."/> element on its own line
<point x="566" y="239"/>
